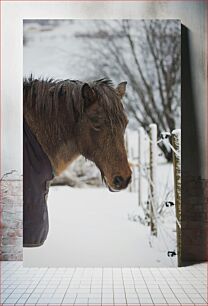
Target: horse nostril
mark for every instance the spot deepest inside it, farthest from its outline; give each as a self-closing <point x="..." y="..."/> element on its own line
<point x="118" y="180"/>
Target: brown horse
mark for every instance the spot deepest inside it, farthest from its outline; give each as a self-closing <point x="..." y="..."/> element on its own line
<point x="63" y="119"/>
<point x="72" y="118"/>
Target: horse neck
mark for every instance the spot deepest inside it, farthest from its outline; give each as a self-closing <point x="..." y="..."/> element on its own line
<point x="61" y="152"/>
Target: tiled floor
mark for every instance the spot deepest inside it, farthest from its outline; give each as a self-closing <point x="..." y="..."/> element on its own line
<point x="107" y="286"/>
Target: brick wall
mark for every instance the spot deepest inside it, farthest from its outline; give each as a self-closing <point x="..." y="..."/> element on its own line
<point x="194" y="225"/>
<point x="11" y="218"/>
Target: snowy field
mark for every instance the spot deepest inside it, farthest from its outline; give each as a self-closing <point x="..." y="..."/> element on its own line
<point x="55" y="51"/>
<point x="91" y="228"/>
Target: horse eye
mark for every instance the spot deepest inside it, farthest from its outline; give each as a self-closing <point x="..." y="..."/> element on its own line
<point x="94" y="120"/>
<point x="96" y="124"/>
<point x="97" y="129"/>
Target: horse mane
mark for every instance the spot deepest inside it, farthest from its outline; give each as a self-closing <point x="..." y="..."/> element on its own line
<point x="48" y="98"/>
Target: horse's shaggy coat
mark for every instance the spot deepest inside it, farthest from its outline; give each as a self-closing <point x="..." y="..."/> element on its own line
<point x="45" y="97"/>
<point x="67" y="119"/>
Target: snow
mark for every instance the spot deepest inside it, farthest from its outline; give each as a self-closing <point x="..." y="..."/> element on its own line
<point x="91" y="228"/>
<point x="55" y="51"/>
<point x="165" y="174"/>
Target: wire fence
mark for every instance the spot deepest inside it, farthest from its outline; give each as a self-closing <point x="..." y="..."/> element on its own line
<point x="158" y="184"/>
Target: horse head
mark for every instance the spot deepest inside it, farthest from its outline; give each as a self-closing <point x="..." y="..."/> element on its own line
<point x="100" y="132"/>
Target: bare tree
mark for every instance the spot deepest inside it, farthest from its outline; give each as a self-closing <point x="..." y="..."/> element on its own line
<point x="147" y="55"/>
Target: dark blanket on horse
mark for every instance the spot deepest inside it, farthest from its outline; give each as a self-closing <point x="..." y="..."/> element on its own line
<point x="37" y="172"/>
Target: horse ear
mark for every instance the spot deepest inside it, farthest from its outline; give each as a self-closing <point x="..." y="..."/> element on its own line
<point x="88" y="95"/>
<point x="121" y="89"/>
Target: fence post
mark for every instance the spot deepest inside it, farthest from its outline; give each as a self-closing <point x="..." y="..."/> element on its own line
<point x="176" y="143"/>
<point x="128" y="154"/>
<point x="133" y="170"/>
<point x="153" y="178"/>
<point x="126" y="143"/>
<point x="140" y="159"/>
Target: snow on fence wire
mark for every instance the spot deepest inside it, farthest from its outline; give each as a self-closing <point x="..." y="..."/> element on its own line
<point x="147" y="170"/>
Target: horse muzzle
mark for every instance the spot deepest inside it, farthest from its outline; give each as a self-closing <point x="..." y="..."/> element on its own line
<point x="118" y="183"/>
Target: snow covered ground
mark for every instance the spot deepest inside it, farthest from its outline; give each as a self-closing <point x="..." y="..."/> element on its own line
<point x="91" y="228"/>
